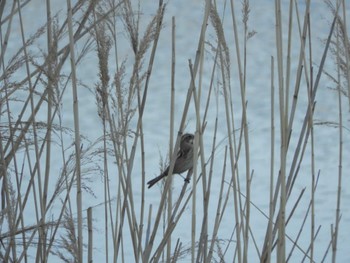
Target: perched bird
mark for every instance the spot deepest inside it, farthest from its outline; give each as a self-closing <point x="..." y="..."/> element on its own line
<point x="184" y="159"/>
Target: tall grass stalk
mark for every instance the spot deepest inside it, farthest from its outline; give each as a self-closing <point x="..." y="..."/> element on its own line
<point x="76" y="134"/>
<point x="340" y="164"/>
<point x="172" y="124"/>
<point x="283" y="136"/>
<point x="272" y="161"/>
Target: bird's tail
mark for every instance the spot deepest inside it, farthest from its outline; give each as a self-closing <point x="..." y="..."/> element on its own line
<point x="155" y="180"/>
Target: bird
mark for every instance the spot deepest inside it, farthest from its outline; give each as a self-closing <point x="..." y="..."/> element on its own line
<point x="184" y="159"/>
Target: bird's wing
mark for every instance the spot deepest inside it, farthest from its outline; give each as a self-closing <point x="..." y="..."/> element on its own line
<point x="180" y="154"/>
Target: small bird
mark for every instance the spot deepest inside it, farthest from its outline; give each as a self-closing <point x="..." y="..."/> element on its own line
<point x="184" y="159"/>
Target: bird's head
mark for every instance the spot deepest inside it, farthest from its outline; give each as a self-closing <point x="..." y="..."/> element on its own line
<point x="186" y="141"/>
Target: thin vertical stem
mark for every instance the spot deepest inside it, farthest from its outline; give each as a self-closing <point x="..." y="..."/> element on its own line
<point x="246" y="137"/>
<point x="90" y="234"/>
<point x="195" y="157"/>
<point x="311" y="122"/>
<point x="272" y="161"/>
<point x="76" y="133"/>
<point x="340" y="164"/>
<point x="281" y="220"/>
<point x="172" y="113"/>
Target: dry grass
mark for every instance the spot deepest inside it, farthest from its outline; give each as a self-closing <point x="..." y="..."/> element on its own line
<point x="47" y="168"/>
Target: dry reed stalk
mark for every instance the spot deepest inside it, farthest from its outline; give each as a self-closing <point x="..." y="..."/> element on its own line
<point x="171" y="129"/>
<point x="340" y="164"/>
<point x="90" y="235"/>
<point x="194" y="171"/>
<point x="268" y="236"/>
<point x="313" y="181"/>
<point x="283" y="127"/>
<point x="176" y="253"/>
<point x="79" y="251"/>
<point x="219" y="211"/>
